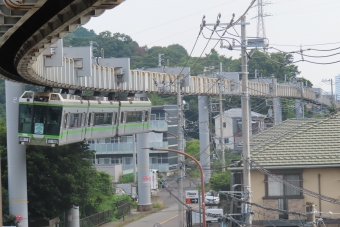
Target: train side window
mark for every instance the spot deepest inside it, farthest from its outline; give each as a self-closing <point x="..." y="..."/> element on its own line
<point x="134" y="116"/>
<point x="75" y="120"/>
<point x="146" y="116"/>
<point x="65" y="120"/>
<point x="102" y="119"/>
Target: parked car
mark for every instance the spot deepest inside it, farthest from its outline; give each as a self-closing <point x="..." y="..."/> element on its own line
<point x="212" y="199"/>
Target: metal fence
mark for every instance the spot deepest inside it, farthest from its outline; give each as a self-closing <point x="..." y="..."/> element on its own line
<point x="97" y="219"/>
<point x="122" y="208"/>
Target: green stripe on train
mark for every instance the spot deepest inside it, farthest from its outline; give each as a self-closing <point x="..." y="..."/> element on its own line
<point x="69" y="105"/>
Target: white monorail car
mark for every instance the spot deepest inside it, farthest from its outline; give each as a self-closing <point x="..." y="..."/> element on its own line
<point x="50" y="119"/>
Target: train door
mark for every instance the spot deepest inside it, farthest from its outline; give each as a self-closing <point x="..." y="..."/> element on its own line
<point x="114" y="123"/>
<point x="145" y="121"/>
<point x="83" y="126"/>
<point x="65" y="127"/>
<point x="122" y="123"/>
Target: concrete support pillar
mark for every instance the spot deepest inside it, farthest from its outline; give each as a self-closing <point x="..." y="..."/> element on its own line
<point x="278" y="110"/>
<point x="16" y="155"/>
<point x="203" y="127"/>
<point x="72" y="217"/>
<point x="314" y="109"/>
<point x="298" y="108"/>
<point x="143" y="167"/>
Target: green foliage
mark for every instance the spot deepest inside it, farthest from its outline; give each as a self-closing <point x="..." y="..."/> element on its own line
<point x="9" y="220"/>
<point x="158" y="100"/>
<point x="220" y="181"/>
<point x="126" y="179"/>
<point x="193" y="148"/>
<point x="58" y="178"/>
<point x="332" y="110"/>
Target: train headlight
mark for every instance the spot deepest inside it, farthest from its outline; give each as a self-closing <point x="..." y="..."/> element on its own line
<point x="52" y="141"/>
<point x="24" y="139"/>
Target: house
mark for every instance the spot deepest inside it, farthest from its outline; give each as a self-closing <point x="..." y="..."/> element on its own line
<point x="232" y="126"/>
<point x="303" y="152"/>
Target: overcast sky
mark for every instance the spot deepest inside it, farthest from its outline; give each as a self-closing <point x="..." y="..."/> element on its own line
<point x="310" y="23"/>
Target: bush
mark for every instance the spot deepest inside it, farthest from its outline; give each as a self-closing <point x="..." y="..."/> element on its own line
<point x="158" y="204"/>
<point x="126" y="179"/>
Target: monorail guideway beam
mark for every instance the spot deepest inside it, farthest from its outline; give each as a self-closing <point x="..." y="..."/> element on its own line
<point x="16" y="154"/>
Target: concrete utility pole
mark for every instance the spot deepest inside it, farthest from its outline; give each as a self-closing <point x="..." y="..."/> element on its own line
<point x="274" y="101"/>
<point x="302" y="104"/>
<point x="134" y="159"/>
<point x="333" y="102"/>
<point x="245" y="122"/>
<point x="180" y="148"/>
<point x="221" y="119"/>
<point x="203" y="128"/>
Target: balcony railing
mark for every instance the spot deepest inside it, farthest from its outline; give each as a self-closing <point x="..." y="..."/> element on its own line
<point x="159" y="125"/>
<point x="122" y="148"/>
<point x="162" y="167"/>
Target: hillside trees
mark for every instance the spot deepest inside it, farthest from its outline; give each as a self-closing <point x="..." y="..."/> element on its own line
<point x="58" y="178"/>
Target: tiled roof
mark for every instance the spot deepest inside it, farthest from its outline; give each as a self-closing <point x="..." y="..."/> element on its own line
<point x="299" y="142"/>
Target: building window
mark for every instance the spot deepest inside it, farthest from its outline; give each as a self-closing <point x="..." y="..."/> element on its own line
<point x="224" y="124"/>
<point x="226" y="140"/>
<point x="278" y="189"/>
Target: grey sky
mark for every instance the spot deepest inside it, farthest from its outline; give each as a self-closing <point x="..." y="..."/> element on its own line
<point x="293" y="23"/>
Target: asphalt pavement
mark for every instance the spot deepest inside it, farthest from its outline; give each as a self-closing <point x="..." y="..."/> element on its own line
<point x="167" y="217"/>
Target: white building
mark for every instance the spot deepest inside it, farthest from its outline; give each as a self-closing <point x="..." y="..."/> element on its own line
<point x="232" y="126"/>
<point x="337" y="87"/>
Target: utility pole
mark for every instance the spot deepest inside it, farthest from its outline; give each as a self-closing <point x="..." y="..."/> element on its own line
<point x="301" y="102"/>
<point x="274" y="100"/>
<point x="333" y="101"/>
<point x="245" y="123"/>
<point x="160" y="59"/>
<point x="134" y="159"/>
<point x="221" y="120"/>
<point x="180" y="148"/>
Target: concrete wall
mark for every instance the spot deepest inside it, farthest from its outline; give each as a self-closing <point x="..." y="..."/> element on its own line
<point x="330" y="186"/>
<point x="114" y="170"/>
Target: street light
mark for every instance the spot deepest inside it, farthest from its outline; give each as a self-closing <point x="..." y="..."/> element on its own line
<point x="201" y="171"/>
<point x="156" y="131"/>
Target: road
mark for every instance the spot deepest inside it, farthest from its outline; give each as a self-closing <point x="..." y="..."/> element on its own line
<point x="167" y="217"/>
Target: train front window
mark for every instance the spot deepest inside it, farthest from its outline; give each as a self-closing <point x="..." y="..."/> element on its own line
<point x="53" y="120"/>
<point x="25" y="118"/>
<point x="39" y="119"/>
<point x="47" y="120"/>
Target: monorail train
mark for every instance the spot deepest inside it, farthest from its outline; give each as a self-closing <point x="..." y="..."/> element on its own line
<point x="53" y="119"/>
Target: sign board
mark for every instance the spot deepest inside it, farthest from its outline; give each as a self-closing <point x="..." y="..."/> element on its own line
<point x="153" y="179"/>
<point x="191" y="196"/>
<point x="212" y="216"/>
